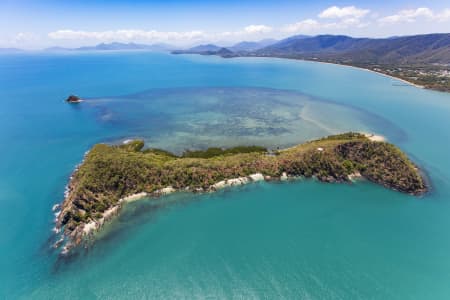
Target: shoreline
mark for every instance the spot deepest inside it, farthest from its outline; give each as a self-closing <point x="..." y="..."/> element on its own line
<point x="369" y="70"/>
<point x="335" y="158"/>
<point x="325" y="62"/>
<point x="88" y="230"/>
<point x="375" y="137"/>
<point x="344" y="65"/>
<point x="371" y="136"/>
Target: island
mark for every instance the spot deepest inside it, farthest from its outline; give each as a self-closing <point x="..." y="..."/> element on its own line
<point x="73" y="99"/>
<point x="112" y="175"/>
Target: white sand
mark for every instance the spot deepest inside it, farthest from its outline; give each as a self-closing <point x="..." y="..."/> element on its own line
<point x="89" y="227"/>
<point x="134" y="197"/>
<point x="166" y="191"/>
<point x="256" y="177"/>
<point x="56" y="206"/>
<point x="375" y="137"/>
<point x="354" y="176"/>
<point x="110" y="212"/>
<point x="369" y="70"/>
<point x="231" y="182"/>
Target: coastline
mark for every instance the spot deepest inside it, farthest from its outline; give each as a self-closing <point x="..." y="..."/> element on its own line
<point x="336" y="158"/>
<point x="88" y="230"/>
<point x="369" y="70"/>
<point x="343" y="65"/>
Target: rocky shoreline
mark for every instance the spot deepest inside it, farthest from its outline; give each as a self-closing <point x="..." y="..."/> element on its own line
<point x="111" y="176"/>
<point x="88" y="230"/>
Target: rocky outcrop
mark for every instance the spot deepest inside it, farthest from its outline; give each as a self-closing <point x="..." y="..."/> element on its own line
<point x="73" y="99"/>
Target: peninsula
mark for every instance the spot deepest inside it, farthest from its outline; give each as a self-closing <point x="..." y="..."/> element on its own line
<point x="112" y="175"/>
<point x="420" y="60"/>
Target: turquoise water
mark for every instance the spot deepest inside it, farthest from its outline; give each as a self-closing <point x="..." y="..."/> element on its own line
<point x="198" y="117"/>
<point x="302" y="239"/>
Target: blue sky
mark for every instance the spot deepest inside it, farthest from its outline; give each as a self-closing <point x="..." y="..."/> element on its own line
<point x="35" y="24"/>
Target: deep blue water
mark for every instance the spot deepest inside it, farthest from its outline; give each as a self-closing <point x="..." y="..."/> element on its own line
<point x="295" y="240"/>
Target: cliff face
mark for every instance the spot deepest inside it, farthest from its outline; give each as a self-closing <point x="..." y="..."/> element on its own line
<point x="111" y="173"/>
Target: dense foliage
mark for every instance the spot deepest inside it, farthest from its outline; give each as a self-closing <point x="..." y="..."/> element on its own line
<point x="214" y="151"/>
<point x="109" y="173"/>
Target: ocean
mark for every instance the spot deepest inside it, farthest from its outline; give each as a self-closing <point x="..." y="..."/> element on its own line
<point x="297" y="240"/>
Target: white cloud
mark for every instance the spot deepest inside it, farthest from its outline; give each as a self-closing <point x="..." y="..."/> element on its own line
<point x="347" y="23"/>
<point x="305" y="26"/>
<point x="336" y="19"/>
<point x="342" y="17"/>
<point x="332" y="20"/>
<point x="408" y="16"/>
<point x="126" y="35"/>
<point x="20" y="40"/>
<point x="257" y="29"/>
<point x="444" y="15"/>
<point x="335" y="12"/>
<point x="314" y="26"/>
<point x="24" y="37"/>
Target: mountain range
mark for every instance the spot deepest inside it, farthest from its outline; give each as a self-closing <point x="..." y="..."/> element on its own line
<point x="428" y="48"/>
<point x="416" y="49"/>
<point x="252" y="46"/>
<point x="241" y="47"/>
<point x="116" y="46"/>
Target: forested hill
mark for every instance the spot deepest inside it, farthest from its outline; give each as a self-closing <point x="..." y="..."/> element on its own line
<point x="429" y="48"/>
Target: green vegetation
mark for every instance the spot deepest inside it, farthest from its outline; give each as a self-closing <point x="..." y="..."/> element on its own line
<point x="433" y="76"/>
<point x="159" y="152"/>
<point x="211" y="152"/>
<point x="135" y="145"/>
<point x="110" y="173"/>
<point x="138" y="145"/>
<point x="345" y="136"/>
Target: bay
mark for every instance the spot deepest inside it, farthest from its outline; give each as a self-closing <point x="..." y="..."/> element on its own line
<point x="302" y="239"/>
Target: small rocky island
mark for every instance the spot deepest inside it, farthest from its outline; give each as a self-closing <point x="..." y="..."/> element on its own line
<point x="73" y="99"/>
<point x="112" y="175"/>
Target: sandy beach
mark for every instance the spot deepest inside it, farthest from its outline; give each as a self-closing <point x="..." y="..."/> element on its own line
<point x="369" y="70"/>
<point x="375" y="137"/>
<point x="354" y="67"/>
